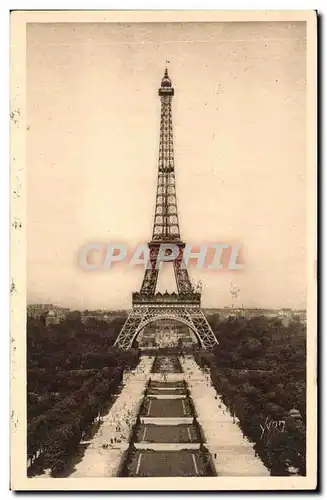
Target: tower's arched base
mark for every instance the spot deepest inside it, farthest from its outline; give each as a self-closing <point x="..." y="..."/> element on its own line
<point x="141" y="316"/>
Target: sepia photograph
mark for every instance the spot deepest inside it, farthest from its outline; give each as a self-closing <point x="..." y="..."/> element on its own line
<point x="163" y="247"/>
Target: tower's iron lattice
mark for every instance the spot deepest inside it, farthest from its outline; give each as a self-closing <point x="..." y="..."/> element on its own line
<point x="149" y="306"/>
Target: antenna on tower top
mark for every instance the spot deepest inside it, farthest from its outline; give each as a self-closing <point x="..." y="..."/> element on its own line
<point x="167" y="63"/>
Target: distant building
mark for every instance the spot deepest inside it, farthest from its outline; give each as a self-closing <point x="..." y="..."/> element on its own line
<point x="38" y="310"/>
<point x="51" y="318"/>
<point x="300" y="315"/>
<point x="102" y="315"/>
<point x="285" y="315"/>
<point x="97" y="314"/>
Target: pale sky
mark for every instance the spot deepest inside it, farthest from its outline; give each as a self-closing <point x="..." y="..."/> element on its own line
<point x="93" y="115"/>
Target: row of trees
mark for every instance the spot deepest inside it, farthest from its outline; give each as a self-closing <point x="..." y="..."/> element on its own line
<point x="73" y="375"/>
<point x="259" y="369"/>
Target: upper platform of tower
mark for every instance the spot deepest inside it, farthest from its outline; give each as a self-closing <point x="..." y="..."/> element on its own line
<point x="166" y="88"/>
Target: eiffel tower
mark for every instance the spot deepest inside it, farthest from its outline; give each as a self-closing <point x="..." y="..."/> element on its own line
<point x="149" y="306"/>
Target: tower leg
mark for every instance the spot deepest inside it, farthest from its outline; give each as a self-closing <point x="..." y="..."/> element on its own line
<point x="124" y="340"/>
<point x="202" y="327"/>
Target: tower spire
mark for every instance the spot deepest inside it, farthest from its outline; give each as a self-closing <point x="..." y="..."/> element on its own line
<point x="166" y="226"/>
